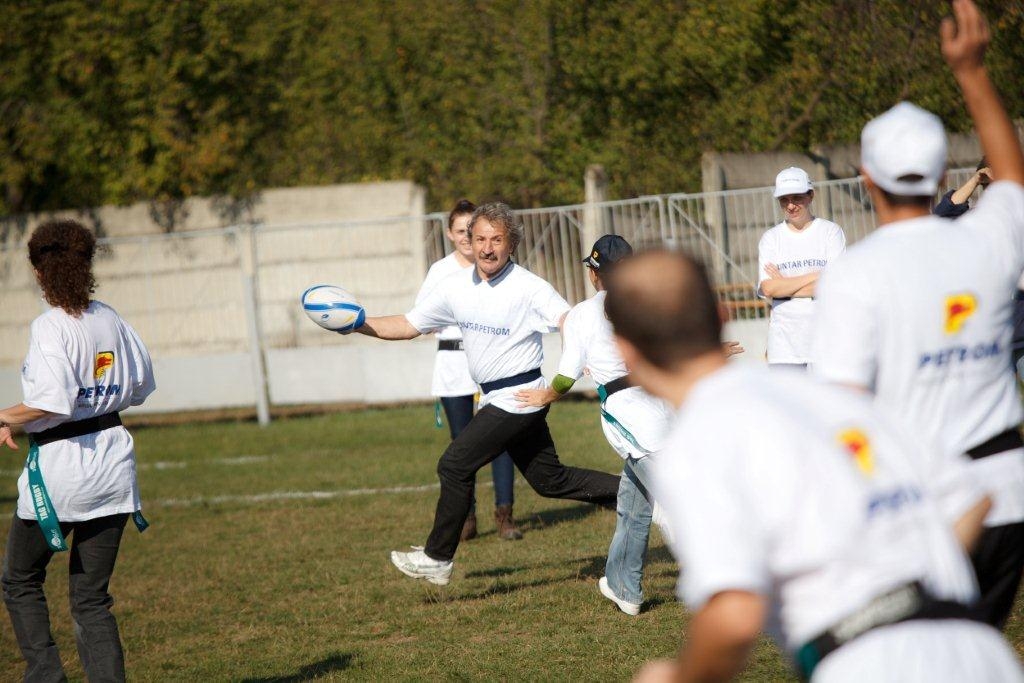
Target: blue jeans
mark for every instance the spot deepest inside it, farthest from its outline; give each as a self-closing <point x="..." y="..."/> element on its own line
<point x="628" y="550"/>
<point x="459" y="411"/>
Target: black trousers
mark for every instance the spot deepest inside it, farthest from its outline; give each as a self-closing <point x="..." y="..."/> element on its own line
<point x="92" y="555"/>
<point x="998" y="562"/>
<point x="459" y="411"/>
<point x="528" y="440"/>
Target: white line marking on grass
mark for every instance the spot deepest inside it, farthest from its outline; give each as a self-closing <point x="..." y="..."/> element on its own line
<point x="181" y="464"/>
<point x="295" y="495"/>
<point x="242" y="460"/>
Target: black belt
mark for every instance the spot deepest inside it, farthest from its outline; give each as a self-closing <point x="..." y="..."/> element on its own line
<point x="1000" y="443"/>
<point x="521" y="378"/>
<point x="613" y="387"/>
<point x="449" y="345"/>
<point x="70" y="430"/>
<point x="908" y="602"/>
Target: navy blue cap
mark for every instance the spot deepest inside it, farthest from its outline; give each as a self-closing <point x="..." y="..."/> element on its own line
<point x="607" y="250"/>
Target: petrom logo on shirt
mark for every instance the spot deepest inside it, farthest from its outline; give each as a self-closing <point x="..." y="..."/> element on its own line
<point x="803" y="263"/>
<point x="86" y="394"/>
<point x="959" y="307"/>
<point x="484" y="329"/>
<point x="856" y="443"/>
<point x="104" y="361"/>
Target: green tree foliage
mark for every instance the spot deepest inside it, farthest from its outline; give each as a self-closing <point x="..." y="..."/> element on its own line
<point x="124" y="100"/>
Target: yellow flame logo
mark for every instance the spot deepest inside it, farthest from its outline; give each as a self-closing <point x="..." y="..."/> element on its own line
<point x="104" y="361"/>
<point x="856" y="442"/>
<point x="959" y="307"/>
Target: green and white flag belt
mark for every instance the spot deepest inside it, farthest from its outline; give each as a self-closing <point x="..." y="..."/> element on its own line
<point x="46" y="516"/>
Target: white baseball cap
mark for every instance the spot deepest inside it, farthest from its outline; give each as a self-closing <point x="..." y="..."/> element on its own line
<point x="792" y="180"/>
<point x="904" y="151"/>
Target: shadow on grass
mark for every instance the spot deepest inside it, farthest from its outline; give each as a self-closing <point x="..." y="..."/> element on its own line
<point x="546" y="518"/>
<point x="338" y="662"/>
<point x="496" y="588"/>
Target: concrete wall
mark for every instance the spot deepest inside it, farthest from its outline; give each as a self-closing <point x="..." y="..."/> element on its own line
<point x="315" y="204"/>
<point x="187" y="295"/>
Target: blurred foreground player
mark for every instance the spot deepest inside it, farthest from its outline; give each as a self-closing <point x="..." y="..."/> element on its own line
<point x="84" y="364"/>
<point x="920" y="312"/>
<point x="797" y="508"/>
<point x="502" y="310"/>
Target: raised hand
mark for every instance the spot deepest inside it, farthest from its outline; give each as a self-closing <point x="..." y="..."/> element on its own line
<point x="964" y="39"/>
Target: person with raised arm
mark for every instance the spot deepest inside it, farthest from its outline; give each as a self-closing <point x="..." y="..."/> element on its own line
<point x="920" y="314"/>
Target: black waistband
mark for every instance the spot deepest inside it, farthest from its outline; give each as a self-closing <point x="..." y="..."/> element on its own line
<point x="70" y="430"/>
<point x="1018" y="295"/>
<point x="449" y="345"/>
<point x="521" y="378"/>
<point x="909" y="602"/>
<point x="1000" y="443"/>
<point x="615" y="386"/>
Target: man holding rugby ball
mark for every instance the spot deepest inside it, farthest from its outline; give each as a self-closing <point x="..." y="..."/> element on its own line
<point x="502" y="310"/>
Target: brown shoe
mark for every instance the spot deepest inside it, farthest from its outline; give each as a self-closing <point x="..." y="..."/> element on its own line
<point x="507" y="529"/>
<point x="468" y="528"/>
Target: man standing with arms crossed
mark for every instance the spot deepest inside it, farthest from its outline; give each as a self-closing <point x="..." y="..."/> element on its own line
<point x="920" y="312"/>
<point x="502" y="310"/>
<point x="791" y="257"/>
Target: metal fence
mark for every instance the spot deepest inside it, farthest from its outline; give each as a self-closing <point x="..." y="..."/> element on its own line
<point x="196" y="293"/>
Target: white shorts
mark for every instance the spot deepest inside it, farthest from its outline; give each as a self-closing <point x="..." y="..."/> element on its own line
<point x="920" y="651"/>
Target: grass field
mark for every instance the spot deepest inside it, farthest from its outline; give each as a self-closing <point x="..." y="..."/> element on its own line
<point x="268" y="562"/>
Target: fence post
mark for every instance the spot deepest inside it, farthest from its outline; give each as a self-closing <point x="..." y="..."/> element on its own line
<point x="595" y="190"/>
<point x="715" y="214"/>
<point x="250" y="269"/>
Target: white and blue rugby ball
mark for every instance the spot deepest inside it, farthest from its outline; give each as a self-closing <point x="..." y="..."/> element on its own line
<point x="333" y="308"/>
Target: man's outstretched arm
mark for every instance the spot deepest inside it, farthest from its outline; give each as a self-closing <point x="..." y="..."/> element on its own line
<point x="392" y="327"/>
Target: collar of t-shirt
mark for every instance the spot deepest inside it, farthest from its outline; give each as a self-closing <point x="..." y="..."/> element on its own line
<point x="497" y="278"/>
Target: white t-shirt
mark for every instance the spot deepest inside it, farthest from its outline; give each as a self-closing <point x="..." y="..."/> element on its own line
<point x="784" y="509"/>
<point x="634" y="422"/>
<point x="795" y="253"/>
<point x="79" y="368"/>
<point x="920" y="312"/>
<point x="502" y="320"/>
<point x="451" y="370"/>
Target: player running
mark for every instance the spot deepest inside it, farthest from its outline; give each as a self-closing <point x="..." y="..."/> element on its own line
<point x="634" y="423"/>
<point x="920" y="312"/>
<point x="502" y="310"/>
<point x="454" y="386"/>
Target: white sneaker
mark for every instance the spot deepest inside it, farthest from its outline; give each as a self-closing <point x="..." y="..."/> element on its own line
<point x="417" y="565"/>
<point x="630" y="608"/>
